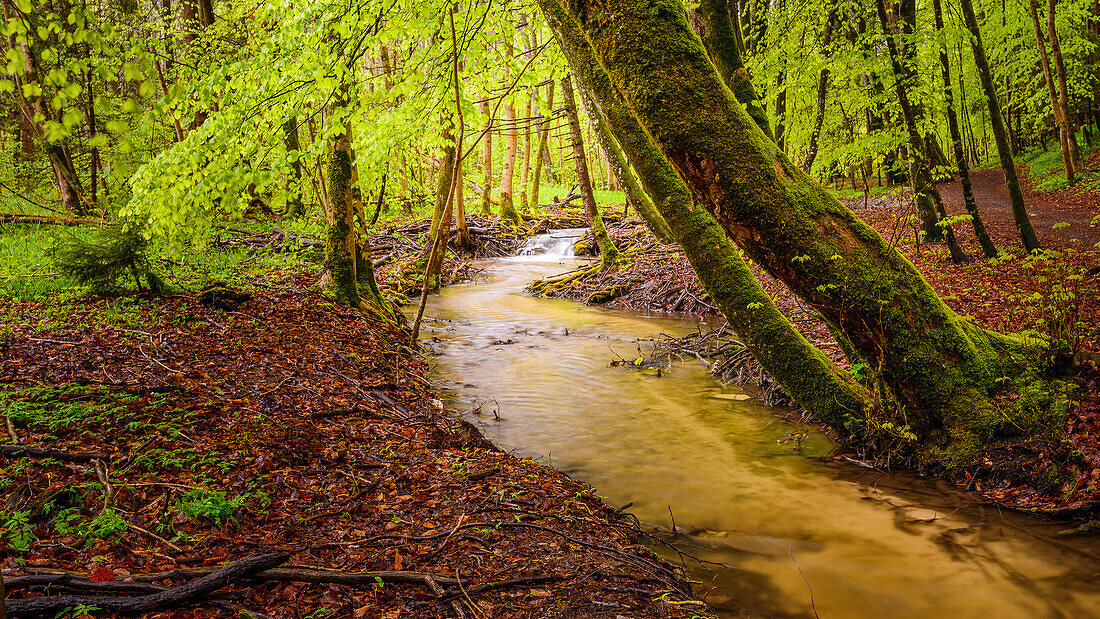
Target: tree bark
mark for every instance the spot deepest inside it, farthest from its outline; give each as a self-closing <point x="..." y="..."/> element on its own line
<point x="988" y="248"/>
<point x="1012" y="181"/>
<point x="939" y="367"/>
<point x="339" y="277"/>
<point x="487" y="161"/>
<point x="508" y="210"/>
<point x="608" y="252"/>
<point x="294" y="207"/>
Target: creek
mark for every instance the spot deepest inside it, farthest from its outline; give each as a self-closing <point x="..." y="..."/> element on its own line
<point x="745" y="486"/>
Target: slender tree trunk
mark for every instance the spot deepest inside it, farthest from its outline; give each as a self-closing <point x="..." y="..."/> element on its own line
<point x="988" y="248"/>
<point x="507" y="206"/>
<point x="1055" y="104"/>
<point x="545" y="120"/>
<point x="294" y="207"/>
<point x="929" y="204"/>
<point x="523" y="176"/>
<point x="487" y="161"/>
<point x="1012" y="181"/>
<point x="608" y="252"/>
<point x="1068" y="127"/>
<point x="940" y="367"/>
<point x="822" y="92"/>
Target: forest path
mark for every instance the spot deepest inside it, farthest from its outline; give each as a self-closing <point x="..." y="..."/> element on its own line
<point x="1070" y="205"/>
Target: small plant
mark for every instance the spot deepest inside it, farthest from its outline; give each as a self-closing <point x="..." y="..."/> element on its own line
<point x="18" y="531"/>
<point x="1057" y="303"/>
<point x="210" y="504"/>
<point x="101" y="262"/>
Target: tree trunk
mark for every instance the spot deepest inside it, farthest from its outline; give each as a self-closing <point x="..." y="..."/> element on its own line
<point x="939" y="367"/>
<point x="988" y="248"/>
<point x="822" y="91"/>
<point x="1055" y="104"/>
<point x="523" y="176"/>
<point x="508" y="210"/>
<point x="929" y="205"/>
<point x="1068" y="127"/>
<point x="636" y="197"/>
<point x="608" y="252"/>
<point x="339" y="278"/>
<point x="545" y="120"/>
<point x="487" y="161"/>
<point x="805" y="373"/>
<point x="1012" y="181"/>
<point x="294" y="207"/>
<point x="721" y="39"/>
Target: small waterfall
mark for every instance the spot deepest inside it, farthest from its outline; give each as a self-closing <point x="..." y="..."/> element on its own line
<point x="554" y="246"/>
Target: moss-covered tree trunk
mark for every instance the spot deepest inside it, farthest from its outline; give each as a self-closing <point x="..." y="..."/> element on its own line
<point x="1012" y="181"/>
<point x="929" y="204"/>
<point x="988" y="248"/>
<point x="545" y="120"/>
<point x="339" y="278"/>
<point x="805" y="373"/>
<point x="636" y="196"/>
<point x="608" y="252"/>
<point x="938" y="366"/>
<point x="721" y="40"/>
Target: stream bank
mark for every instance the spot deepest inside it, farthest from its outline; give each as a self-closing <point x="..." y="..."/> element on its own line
<point x="182" y="437"/>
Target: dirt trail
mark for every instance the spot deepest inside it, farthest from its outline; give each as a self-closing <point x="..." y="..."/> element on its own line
<point x="1077" y="208"/>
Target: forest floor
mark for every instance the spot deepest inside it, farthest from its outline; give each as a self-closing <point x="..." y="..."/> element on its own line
<point x="162" y="437"/>
<point x="1009" y="294"/>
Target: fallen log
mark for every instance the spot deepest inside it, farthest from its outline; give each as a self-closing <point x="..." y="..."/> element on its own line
<point x="173" y="597"/>
<point x="16" y="218"/>
<point x="20" y="451"/>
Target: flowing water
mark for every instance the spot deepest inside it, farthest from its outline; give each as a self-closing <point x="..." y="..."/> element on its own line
<point x="800" y="534"/>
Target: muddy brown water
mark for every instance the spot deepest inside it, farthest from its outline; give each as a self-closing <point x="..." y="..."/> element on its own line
<point x="800" y="535"/>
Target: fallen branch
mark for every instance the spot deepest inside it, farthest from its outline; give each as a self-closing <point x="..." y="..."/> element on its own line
<point x="16" y="218"/>
<point x="169" y="598"/>
<point x="305" y="574"/>
<point x="19" y="451"/>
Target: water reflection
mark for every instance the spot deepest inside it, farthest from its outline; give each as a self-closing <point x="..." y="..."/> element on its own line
<point x="865" y="544"/>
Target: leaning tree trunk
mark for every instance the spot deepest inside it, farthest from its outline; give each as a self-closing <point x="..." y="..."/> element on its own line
<point x="929" y="204"/>
<point x="1055" y="104"/>
<point x="988" y="248"/>
<point x="804" y="372"/>
<point x="938" y="366"/>
<point x="1012" y="181"/>
<point x="608" y="252"/>
<point x="545" y="120"/>
<point x="636" y="197"/>
<point x="721" y="39"/>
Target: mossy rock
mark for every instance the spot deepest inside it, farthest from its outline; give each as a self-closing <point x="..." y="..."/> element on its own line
<point x="586" y="246"/>
<point x="218" y="295"/>
<point x="603" y="296"/>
